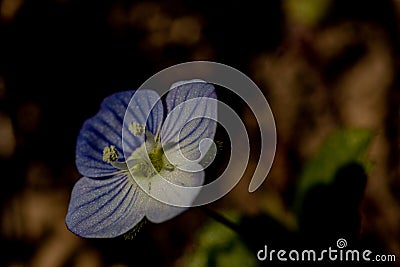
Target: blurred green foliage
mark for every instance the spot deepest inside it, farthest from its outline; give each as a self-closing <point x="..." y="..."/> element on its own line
<point x="340" y="148"/>
<point x="218" y="245"/>
<point x="308" y="12"/>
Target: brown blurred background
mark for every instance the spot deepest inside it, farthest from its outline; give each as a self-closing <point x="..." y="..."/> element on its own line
<point x="322" y="65"/>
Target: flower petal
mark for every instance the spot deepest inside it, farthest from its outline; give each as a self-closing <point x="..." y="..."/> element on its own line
<point x="105" y="129"/>
<point x="190" y="107"/>
<point x="105" y="208"/>
<point x="157" y="211"/>
<point x="179" y="83"/>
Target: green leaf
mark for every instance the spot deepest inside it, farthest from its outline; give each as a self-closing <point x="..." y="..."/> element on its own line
<point x="341" y="147"/>
<point x="218" y="246"/>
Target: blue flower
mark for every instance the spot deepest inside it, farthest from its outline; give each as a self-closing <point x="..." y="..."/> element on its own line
<point x="131" y="140"/>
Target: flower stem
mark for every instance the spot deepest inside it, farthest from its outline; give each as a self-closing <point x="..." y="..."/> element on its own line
<point x="221" y="219"/>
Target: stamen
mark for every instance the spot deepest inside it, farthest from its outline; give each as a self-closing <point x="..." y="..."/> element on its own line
<point x="142" y="169"/>
<point x="110" y="154"/>
<point x="169" y="167"/>
<point x="137" y="129"/>
<point x="148" y="159"/>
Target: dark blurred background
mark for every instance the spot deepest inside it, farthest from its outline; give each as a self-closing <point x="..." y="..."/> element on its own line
<point x="323" y="65"/>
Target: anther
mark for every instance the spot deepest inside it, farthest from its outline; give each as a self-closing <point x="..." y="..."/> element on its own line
<point x="136" y="128"/>
<point x="110" y="154"/>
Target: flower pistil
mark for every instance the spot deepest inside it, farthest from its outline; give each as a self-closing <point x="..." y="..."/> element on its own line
<point x="146" y="161"/>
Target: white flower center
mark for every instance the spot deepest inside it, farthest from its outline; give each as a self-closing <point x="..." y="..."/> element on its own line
<point x="146" y="161"/>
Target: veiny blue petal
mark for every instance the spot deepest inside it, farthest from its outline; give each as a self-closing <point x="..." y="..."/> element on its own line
<point x="181" y="127"/>
<point x="179" y="83"/>
<point x="157" y="211"/>
<point x="105" y="129"/>
<point x="105" y="208"/>
<point x="145" y="108"/>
